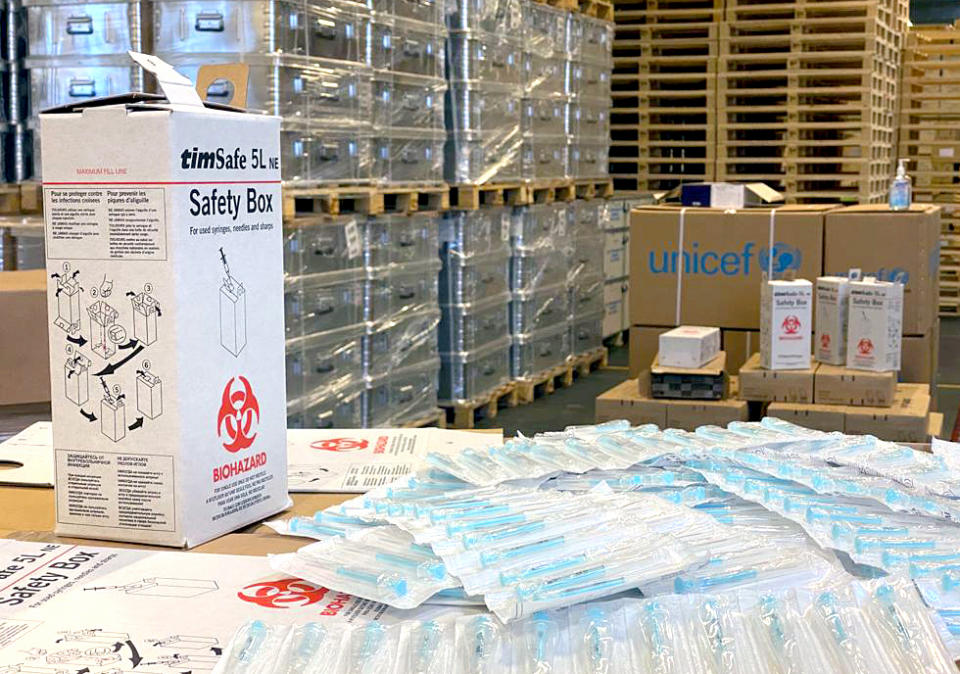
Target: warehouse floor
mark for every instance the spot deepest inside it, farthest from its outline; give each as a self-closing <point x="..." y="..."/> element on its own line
<point x="575" y="405"/>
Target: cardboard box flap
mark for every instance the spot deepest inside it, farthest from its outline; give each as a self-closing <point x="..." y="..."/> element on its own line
<point x="135" y="100"/>
<point x="786" y="208"/>
<point x="883" y="208"/>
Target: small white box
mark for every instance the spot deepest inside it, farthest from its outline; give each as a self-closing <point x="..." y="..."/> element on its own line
<point x="875" y="324"/>
<point x="786" y="312"/>
<point x="689" y="346"/>
<point x="830" y="341"/>
<point x="167" y="211"/>
<point x="613" y="308"/>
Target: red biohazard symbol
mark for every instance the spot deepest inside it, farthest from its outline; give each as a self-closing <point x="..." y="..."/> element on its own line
<point x="825" y="341"/>
<point x="283" y="593"/>
<point x="238" y="416"/>
<point x="791" y="325"/>
<point x="340" y="444"/>
<point x="865" y="346"/>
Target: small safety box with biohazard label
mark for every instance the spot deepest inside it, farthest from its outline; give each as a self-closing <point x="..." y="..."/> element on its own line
<point x="165" y="299"/>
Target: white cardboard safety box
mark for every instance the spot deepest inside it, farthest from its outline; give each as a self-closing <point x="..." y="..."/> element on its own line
<point x="786" y="310"/>
<point x="689" y="346"/>
<point x="874" y="331"/>
<point x="830" y="341"/>
<point x="165" y="299"/>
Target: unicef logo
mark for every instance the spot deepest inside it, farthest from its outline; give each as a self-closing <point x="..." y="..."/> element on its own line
<point x="785" y="258"/>
<point x="893" y="275"/>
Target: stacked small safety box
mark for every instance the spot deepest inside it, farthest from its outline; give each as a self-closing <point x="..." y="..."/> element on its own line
<point x="361" y="318"/>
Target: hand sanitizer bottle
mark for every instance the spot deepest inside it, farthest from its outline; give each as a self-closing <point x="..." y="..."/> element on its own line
<point x="901" y="192"/>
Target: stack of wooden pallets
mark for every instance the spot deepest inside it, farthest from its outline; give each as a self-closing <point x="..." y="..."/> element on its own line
<point x="663" y="129"/>
<point x="807" y="96"/>
<point x="800" y="94"/>
<point x="930" y="139"/>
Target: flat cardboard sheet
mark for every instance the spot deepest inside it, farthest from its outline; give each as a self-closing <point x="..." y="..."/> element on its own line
<point x="27" y="458"/>
<point x="355" y="461"/>
<point x="87" y="608"/>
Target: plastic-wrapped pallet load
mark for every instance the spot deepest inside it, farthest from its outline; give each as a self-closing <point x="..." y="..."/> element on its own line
<point x="538" y="271"/>
<point x="588" y="85"/>
<point x="474" y="328"/>
<point x="401" y="361"/>
<point x="586" y="222"/>
<point x="73" y="51"/>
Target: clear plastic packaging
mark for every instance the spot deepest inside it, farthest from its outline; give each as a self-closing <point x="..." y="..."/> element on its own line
<point x="469" y="233"/>
<point x="483" y="107"/>
<point x="543" y="117"/>
<point x="327" y="409"/>
<point x="586" y="260"/>
<point x="542" y="307"/>
<point x="297" y="88"/>
<point x="321" y="245"/>
<point x="67" y="80"/>
<point x="252" y="26"/>
<point x="404" y="46"/>
<point x="484" y="57"/>
<point x="329" y="360"/>
<point x="588" y="80"/>
<point x="425" y="11"/>
<point x="532" y="353"/>
<point x="547" y="76"/>
<point x="409" y="156"/>
<point x="408" y="339"/>
<point x="493" y="16"/>
<point x="395" y="240"/>
<point x="57" y="28"/>
<point x="544" y="268"/>
<point x="467" y="375"/>
<point x="587" y="333"/>
<point x="538" y="227"/>
<point x="413" y="392"/>
<point x="545" y="158"/>
<point x="589" y="159"/>
<point x="588" y="120"/>
<point x="408" y="101"/>
<point x="587" y="219"/>
<point x="317" y="154"/>
<point x="477" y="158"/>
<point x="594" y="39"/>
<point x="544" y="29"/>
<point x="320" y="304"/>
<point x="470" y="279"/>
<point x="587" y="296"/>
<point x="408" y="289"/>
<point x="465" y="327"/>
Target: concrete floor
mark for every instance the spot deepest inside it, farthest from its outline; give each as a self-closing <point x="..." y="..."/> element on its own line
<point x="575" y="405"/>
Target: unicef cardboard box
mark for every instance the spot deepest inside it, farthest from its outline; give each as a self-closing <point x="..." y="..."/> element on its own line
<point x="704" y="266"/>
<point x="165" y="299"/>
<point x="891" y="246"/>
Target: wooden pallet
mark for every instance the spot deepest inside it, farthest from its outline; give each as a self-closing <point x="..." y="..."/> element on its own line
<point x="599" y="9"/>
<point x="372" y="200"/>
<point x="561" y="4"/>
<point x="544" y="383"/>
<point x="592" y="189"/>
<point x="472" y="197"/>
<point x="463" y="414"/>
<point x="437" y="418"/>
<point x="21" y="198"/>
<point x="585" y="363"/>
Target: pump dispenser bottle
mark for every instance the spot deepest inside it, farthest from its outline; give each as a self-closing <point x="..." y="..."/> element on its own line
<point x="901" y="191"/>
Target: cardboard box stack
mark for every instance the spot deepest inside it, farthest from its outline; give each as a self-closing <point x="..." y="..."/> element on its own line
<point x="685" y="386"/>
<point x="725" y="253"/>
<point x="705" y="266"/>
